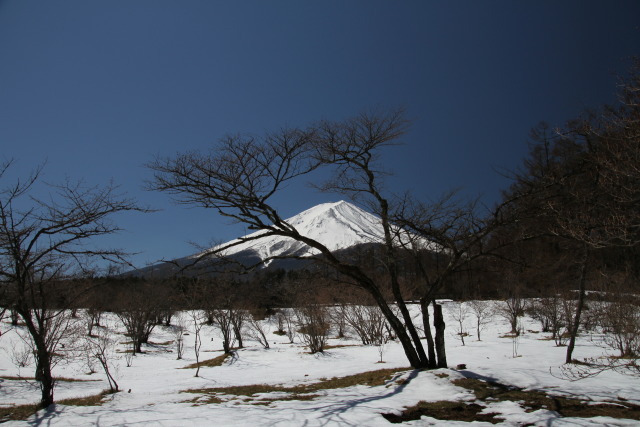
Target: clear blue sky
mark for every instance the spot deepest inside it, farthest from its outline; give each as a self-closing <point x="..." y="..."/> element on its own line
<point x="98" y="88"/>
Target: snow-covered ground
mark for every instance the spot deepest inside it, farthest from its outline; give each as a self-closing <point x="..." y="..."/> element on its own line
<point x="153" y="386"/>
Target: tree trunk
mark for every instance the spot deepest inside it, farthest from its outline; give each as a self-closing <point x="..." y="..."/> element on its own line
<point x="238" y="334"/>
<point x="399" y="329"/>
<point x="412" y="337"/>
<point x="424" y="307"/>
<point x="438" y="322"/>
<point x="42" y="356"/>
<point x="43" y="366"/>
<point x="424" y="361"/>
<point x="573" y="333"/>
<point x="46" y="379"/>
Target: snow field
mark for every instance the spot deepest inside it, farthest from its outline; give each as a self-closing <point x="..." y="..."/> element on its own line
<point x="157" y="382"/>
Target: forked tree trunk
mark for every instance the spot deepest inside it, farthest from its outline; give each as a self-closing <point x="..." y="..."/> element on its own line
<point x="43" y="371"/>
<point x="424" y="307"/>
<point x="43" y="360"/>
<point x="399" y="329"/>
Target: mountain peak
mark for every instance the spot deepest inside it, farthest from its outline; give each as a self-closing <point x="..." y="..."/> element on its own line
<point x="336" y="225"/>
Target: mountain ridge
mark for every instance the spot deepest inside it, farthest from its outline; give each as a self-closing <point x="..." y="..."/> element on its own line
<point x="338" y="226"/>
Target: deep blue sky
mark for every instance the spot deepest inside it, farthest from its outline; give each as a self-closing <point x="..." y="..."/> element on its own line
<point x="97" y="89"/>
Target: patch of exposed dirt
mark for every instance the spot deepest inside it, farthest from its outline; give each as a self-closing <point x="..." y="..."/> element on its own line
<point x="487" y="392"/>
<point x="444" y="410"/>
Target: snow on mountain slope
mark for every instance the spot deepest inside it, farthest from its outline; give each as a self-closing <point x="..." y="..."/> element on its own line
<point x="338" y="225"/>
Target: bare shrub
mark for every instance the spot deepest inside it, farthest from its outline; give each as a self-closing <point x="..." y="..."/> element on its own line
<point x="338" y="317"/>
<point x="368" y="322"/>
<point x="552" y="313"/>
<point x="92" y="318"/>
<point x="179" y="328"/>
<point x="222" y="320"/>
<point x="286" y="324"/>
<point x="313" y="324"/>
<point x="139" y="323"/>
<point x="237" y="317"/>
<point x="511" y="309"/>
<point x="256" y="331"/>
<point x="21" y="355"/>
<point x="622" y="326"/>
<point x="128" y="358"/>
<point x="138" y="312"/>
<point x="102" y="349"/>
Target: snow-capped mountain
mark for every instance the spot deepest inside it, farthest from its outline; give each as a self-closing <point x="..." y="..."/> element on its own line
<point x="337" y="226"/>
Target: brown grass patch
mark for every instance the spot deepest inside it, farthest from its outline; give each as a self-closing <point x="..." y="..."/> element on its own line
<point x="22" y="412"/>
<point x="444" y="410"/>
<point x="17" y="412"/>
<point x="509" y="335"/>
<point x="297" y="392"/>
<point x="531" y="400"/>
<point x="161" y="343"/>
<point x="210" y="363"/>
<point x="94" y="400"/>
<point x="295" y="396"/>
<point x="328" y="347"/>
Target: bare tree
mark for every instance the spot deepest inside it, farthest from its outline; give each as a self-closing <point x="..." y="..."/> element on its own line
<point x="512" y="308"/>
<point x="286" y="324"/>
<point x="43" y="242"/>
<point x="620" y="322"/>
<point x="138" y="314"/>
<point x="554" y="314"/>
<point x="238" y="318"/>
<point x="257" y="331"/>
<point x="584" y="179"/>
<point x="197" y="319"/>
<point x="101" y="347"/>
<point x="222" y="319"/>
<point x="445" y="237"/>
<point x="92" y="316"/>
<point x="338" y="317"/>
<point x="460" y="313"/>
<point x="63" y="338"/>
<point x="239" y="178"/>
<point x="483" y="311"/>
<point x="178" y="331"/>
